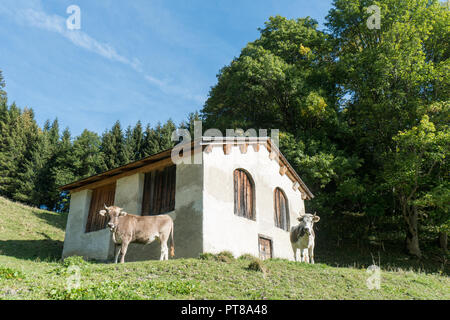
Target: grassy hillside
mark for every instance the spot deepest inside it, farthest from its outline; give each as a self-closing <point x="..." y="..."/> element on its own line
<point x="30" y="234"/>
<point x="31" y="243"/>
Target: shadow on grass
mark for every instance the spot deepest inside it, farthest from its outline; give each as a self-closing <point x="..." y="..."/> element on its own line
<point x="46" y="249"/>
<point x="57" y="220"/>
<point x="391" y="258"/>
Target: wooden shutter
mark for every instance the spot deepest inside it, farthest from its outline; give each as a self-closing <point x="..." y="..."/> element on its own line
<point x="100" y="197"/>
<point x="265" y="248"/>
<point x="159" y="191"/>
<point x="243" y="195"/>
<point x="281" y="210"/>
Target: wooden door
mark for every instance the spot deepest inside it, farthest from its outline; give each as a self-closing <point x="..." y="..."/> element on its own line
<point x="265" y="248"/>
<point x="159" y="191"/>
<point x="100" y="197"/>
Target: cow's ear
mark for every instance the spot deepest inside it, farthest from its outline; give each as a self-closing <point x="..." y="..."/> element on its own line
<point x="300" y="218"/>
<point x="102" y="212"/>
<point x="316" y="219"/>
<point x="122" y="213"/>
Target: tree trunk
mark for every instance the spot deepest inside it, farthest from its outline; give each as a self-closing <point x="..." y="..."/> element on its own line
<point x="443" y="241"/>
<point x="412" y="244"/>
<point x="412" y="234"/>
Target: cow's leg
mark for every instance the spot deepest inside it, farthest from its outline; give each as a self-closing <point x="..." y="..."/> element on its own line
<point x="305" y="255"/>
<point x="163" y="239"/>
<point x="294" y="249"/>
<point x="311" y="253"/>
<point x="123" y="249"/>
<point x="164" y="251"/>
<point x="117" y="249"/>
<point x="167" y="249"/>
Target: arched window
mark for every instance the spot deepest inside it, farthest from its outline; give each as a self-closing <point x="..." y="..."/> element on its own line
<point x="244" y="195"/>
<point x="281" y="209"/>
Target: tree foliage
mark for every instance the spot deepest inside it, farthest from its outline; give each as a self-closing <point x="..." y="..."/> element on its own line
<point x="345" y="99"/>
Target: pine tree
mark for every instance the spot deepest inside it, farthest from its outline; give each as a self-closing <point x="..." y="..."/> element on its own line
<point x="137" y="141"/>
<point x="2" y="86"/>
<point x="164" y="135"/>
<point x="45" y="150"/>
<point x="128" y="149"/>
<point x="62" y="172"/>
<point x="149" y="146"/>
<point x="86" y="154"/>
<point x="7" y="163"/>
<point x="26" y="146"/>
<point x="134" y="141"/>
<point x="112" y="148"/>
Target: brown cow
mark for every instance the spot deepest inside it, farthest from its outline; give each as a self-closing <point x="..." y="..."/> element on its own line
<point x="127" y="228"/>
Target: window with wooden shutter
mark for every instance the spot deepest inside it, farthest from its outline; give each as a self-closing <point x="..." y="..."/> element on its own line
<point x="244" y="196"/>
<point x="159" y="191"/>
<point x="281" y="210"/>
<point x="100" y="197"/>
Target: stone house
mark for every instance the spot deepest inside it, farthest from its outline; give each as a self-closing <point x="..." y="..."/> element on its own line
<point x="241" y="195"/>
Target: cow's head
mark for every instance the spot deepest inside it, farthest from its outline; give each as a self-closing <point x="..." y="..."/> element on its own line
<point x="307" y="221"/>
<point x="114" y="213"/>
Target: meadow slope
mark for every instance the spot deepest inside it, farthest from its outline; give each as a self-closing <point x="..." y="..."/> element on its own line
<point x="30" y="268"/>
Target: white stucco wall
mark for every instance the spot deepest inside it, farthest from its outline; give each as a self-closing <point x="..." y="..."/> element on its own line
<point x="188" y="216"/>
<point x="93" y="245"/>
<point x="129" y="193"/>
<point x="222" y="229"/>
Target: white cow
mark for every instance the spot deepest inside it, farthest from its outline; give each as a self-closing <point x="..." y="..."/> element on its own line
<point x="302" y="237"/>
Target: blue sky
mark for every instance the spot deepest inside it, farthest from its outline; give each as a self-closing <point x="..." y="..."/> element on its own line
<point x="147" y="60"/>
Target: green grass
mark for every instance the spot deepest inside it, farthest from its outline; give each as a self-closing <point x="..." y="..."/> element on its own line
<point x="30" y="268"/>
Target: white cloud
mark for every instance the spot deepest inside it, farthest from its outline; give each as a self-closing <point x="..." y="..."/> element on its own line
<point x="55" y="23"/>
<point x="32" y="14"/>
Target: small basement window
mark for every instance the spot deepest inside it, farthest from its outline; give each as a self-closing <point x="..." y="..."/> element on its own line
<point x="265" y="248"/>
<point x="281" y="209"/>
<point x="244" y="196"/>
<point x="100" y="197"/>
<point x="159" y="191"/>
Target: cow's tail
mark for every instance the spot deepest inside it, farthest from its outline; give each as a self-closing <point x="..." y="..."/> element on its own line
<point x="172" y="244"/>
